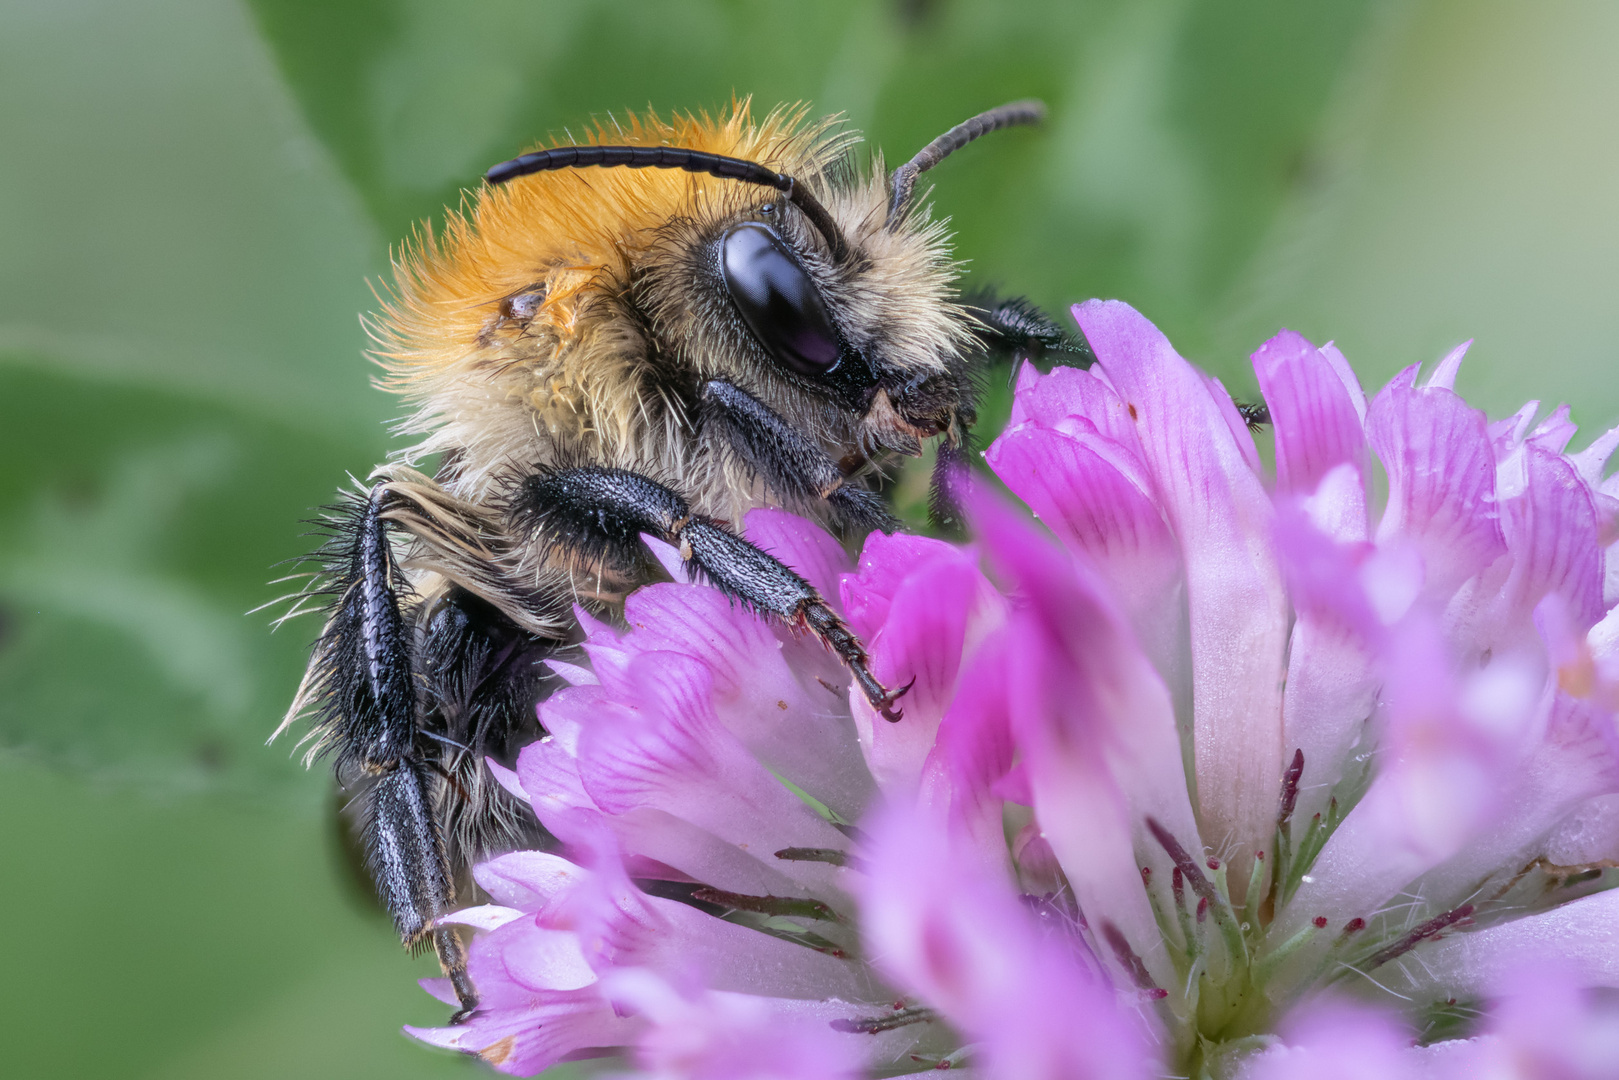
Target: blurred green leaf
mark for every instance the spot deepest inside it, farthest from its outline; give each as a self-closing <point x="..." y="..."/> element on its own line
<point x="136" y="530"/>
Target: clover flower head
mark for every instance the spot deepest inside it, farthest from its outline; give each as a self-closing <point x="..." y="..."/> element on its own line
<point x="1229" y="770"/>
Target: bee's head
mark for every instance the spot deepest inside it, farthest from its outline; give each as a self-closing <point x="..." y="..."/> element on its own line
<point x="839" y="315"/>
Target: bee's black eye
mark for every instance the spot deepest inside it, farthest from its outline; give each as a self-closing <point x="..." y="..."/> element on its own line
<point x="777" y="299"/>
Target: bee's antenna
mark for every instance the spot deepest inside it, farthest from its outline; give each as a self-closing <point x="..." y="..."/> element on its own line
<point x="903" y="179"/>
<point x="675" y="157"/>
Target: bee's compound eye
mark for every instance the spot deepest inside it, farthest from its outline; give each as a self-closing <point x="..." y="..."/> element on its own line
<point x="777" y="299"/>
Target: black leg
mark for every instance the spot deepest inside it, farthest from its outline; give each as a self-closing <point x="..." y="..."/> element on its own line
<point x="1022" y="331"/>
<point x="790" y="463"/>
<point x="483" y="676"/>
<point x="363" y="679"/>
<point x="600" y="514"/>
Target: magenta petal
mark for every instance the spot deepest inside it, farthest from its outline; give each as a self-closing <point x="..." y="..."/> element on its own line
<point x="1441" y="471"/>
<point x="1314" y="420"/>
<point x="886" y="561"/>
<point x="1238" y="609"/>
<point x="919" y="645"/>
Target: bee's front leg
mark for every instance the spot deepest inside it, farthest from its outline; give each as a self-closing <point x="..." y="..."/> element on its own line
<point x="600" y="513"/>
<point x="789" y="462"/>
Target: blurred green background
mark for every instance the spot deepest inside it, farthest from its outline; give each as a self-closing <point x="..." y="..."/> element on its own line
<point x="195" y="193"/>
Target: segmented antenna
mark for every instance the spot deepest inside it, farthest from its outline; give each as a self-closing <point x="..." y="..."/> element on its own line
<point x="903" y="179"/>
<point x="675" y="157"/>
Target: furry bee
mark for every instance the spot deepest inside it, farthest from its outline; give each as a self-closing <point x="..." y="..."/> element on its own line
<point x="650" y="332"/>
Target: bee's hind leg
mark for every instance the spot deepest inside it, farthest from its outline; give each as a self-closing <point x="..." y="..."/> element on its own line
<point x="600" y="513"/>
<point x="366" y="691"/>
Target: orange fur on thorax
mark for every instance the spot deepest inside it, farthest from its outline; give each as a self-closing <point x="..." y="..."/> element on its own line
<point x="578" y="233"/>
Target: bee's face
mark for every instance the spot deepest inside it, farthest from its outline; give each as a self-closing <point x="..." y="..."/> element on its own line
<point x="865" y="348"/>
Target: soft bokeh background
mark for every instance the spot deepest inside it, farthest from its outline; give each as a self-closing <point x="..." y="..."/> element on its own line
<point x="195" y="193"/>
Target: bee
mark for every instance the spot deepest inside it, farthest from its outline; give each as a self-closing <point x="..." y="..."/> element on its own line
<point x="648" y="332"/>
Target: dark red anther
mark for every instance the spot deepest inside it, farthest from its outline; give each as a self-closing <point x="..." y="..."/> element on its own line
<point x="1355" y="925"/>
<point x="1157" y="993"/>
<point x="1146" y="875"/>
<point x="1202" y="909"/>
<point x="1214" y="864"/>
<point x="1319" y="922"/>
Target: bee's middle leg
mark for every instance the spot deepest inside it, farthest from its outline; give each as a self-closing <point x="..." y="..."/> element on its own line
<point x="600" y="513"/>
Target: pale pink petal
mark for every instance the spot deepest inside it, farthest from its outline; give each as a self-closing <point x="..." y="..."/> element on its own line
<point x="1221" y="515"/>
<point x="1331" y="678"/>
<point x="527" y="879"/>
<point x="1337" y="1040"/>
<point x="1581" y="937"/>
<point x="1594" y="458"/>
<point x="672" y="754"/>
<point x="1441" y="472"/>
<point x="1444" y="375"/>
<point x="572" y="674"/>
<point x="971" y="756"/>
<point x="1553" y="433"/>
<point x="668" y="557"/>
<point x="1448" y="751"/>
<point x="549" y="1027"/>
<point x="782" y="718"/>
<point x="1315" y="422"/>
<point x="725" y="1036"/>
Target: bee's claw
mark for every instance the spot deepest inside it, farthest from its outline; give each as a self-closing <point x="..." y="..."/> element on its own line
<point x="886" y="705"/>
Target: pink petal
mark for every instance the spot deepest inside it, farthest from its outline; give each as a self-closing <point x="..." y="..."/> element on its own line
<point x="1441" y="471"/>
<point x="1221" y="514"/>
<point x="1047" y="400"/>
<point x="525" y="1041"/>
<point x="1096" y="495"/>
<point x="920" y="644"/>
<point x="1552" y="532"/>
<point x="1594" y="458"/>
<point x="962" y="942"/>
<point x="802" y="545"/>
<point x="673" y="755"/>
<point x="782" y="717"/>
<point x="1096" y="730"/>
<point x="1315" y="422"/>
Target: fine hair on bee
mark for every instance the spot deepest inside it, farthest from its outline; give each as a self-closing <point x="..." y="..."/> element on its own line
<point x="646" y="333"/>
